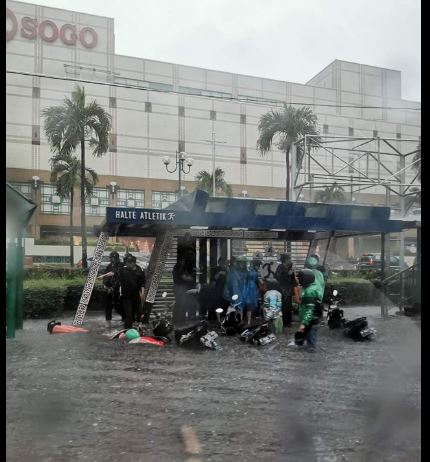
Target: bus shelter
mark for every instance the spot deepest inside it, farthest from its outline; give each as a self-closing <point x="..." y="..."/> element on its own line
<point x="19" y="210"/>
<point x="218" y="219"/>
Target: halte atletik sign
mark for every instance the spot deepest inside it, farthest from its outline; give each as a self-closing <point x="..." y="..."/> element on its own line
<point x="139" y="216"/>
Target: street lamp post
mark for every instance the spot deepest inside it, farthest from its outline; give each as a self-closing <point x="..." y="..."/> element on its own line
<point x="181" y="158"/>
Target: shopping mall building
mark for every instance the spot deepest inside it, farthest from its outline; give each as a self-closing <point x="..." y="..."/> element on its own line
<point x="158" y="108"/>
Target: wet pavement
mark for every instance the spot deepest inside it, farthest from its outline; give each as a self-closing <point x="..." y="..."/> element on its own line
<point x="84" y="397"/>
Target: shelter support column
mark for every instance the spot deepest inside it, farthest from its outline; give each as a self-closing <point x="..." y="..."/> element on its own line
<point x="91" y="279"/>
<point x="385" y="257"/>
<point x="19" y="308"/>
<point x="213" y="255"/>
<point x="203" y="254"/>
<point x="11" y="290"/>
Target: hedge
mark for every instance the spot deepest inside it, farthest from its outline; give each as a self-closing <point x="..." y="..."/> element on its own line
<point x="354" y="291"/>
<point x="48" y="298"/>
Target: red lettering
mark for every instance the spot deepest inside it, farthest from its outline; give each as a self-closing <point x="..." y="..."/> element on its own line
<point x="48" y="31"/>
<point x="71" y="40"/>
<point x="10" y="34"/>
<point x="28" y="27"/>
<point x="54" y="28"/>
<point x="93" y="33"/>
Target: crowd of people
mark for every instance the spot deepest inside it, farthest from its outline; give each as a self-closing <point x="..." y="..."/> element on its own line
<point x="260" y="291"/>
<point x="124" y="282"/>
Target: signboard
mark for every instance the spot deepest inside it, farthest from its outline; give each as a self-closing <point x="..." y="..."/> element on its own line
<point x="49" y="31"/>
<point x="133" y="216"/>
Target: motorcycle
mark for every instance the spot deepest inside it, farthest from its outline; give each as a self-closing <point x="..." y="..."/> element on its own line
<point x="357" y="329"/>
<point x="258" y="334"/>
<point x="335" y="317"/>
<point x="196" y="336"/>
<point x="230" y="321"/>
<point x="161" y="325"/>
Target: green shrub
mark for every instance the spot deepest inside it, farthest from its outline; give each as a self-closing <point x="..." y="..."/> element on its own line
<point x="353" y="291"/>
<point x="49" y="297"/>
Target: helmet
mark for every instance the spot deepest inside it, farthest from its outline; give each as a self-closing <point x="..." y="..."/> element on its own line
<point x="114" y="254"/>
<point x="131" y="334"/>
<point x="285" y="257"/>
<point x="306" y="277"/>
<point x="311" y="262"/>
<point x="128" y="258"/>
<point x="241" y="258"/>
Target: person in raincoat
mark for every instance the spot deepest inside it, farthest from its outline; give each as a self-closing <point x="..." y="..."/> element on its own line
<point x="312" y="263"/>
<point x="272" y="306"/>
<point x="240" y="282"/>
<point x="309" y="297"/>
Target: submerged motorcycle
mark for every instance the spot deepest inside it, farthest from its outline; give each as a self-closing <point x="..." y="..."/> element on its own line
<point x="229" y="321"/>
<point x="357" y="329"/>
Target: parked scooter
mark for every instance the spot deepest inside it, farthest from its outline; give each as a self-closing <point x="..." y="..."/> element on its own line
<point x="335" y="318"/>
<point x="357" y="329"/>
<point x="197" y="336"/>
<point x="161" y="325"/>
<point x="230" y="320"/>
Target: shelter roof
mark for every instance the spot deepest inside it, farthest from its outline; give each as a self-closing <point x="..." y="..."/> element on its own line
<point x="198" y="210"/>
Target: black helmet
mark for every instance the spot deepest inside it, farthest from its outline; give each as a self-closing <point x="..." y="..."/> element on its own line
<point x="306" y="277"/>
<point x="128" y="257"/>
<point x="114" y="254"/>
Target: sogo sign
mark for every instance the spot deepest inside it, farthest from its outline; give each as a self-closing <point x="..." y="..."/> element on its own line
<point x="49" y="31"/>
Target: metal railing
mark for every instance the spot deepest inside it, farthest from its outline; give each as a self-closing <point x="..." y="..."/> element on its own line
<point x="408" y="284"/>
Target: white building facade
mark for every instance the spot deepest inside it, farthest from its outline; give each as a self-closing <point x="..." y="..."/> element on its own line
<point x="158" y="108"/>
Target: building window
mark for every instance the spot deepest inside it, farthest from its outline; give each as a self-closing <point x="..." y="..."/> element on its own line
<point x="161" y="200"/>
<point x="23" y="188"/>
<point x="131" y="198"/>
<point x="35" y="135"/>
<point x="243" y="155"/>
<point x="36" y="92"/>
<point x="148" y="106"/>
<point x="181" y="111"/>
<point x="350" y="131"/>
<point x="243" y="118"/>
<point x="351" y="167"/>
<point x="112" y="101"/>
<point x="375" y="133"/>
<point x="398" y="136"/>
<point x="213" y="115"/>
<point x="51" y="203"/>
<point x="325" y="128"/>
<point x="96" y="204"/>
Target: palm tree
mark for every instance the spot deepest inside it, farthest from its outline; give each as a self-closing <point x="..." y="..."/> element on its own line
<point x="330" y="194"/>
<point x="204" y="182"/>
<point x="74" y="124"/>
<point x="288" y="126"/>
<point x="66" y="175"/>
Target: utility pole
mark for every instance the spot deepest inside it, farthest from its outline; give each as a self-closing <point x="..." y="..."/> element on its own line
<point x="213" y="142"/>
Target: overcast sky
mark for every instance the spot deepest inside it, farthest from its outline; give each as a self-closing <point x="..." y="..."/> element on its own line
<point x="279" y="39"/>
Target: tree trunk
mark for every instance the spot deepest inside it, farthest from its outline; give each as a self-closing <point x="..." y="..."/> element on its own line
<point x="72" y="264"/>
<point x="83" y="218"/>
<point x="287" y="174"/>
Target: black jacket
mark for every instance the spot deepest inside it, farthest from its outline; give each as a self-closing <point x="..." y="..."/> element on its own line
<point x="132" y="280"/>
